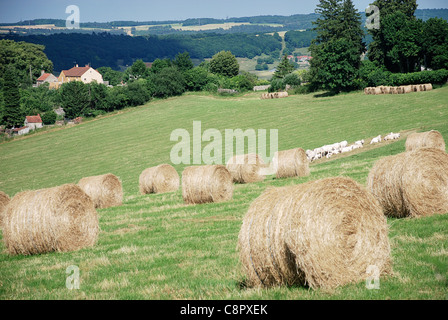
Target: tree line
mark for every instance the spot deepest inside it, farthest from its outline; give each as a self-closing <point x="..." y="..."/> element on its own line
<point x="403" y="44"/>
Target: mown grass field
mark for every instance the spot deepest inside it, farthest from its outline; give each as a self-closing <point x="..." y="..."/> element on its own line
<point x="156" y="247"/>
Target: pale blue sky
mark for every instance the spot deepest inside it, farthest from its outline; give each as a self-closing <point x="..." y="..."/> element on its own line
<point x="147" y="10"/>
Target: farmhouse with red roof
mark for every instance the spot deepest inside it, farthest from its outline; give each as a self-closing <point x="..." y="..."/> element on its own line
<point x="85" y="74"/>
<point x="33" y="122"/>
<point x="46" y="77"/>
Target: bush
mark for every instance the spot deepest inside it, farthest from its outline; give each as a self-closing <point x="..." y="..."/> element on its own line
<point x="243" y="82"/>
<point x="137" y="93"/>
<point x="167" y="83"/>
<point x="305" y="89"/>
<point x="196" y="79"/>
<point x="117" y="98"/>
<point x="292" y="79"/>
<point x="49" y="117"/>
<point x="224" y="63"/>
<point x="277" y="85"/>
<point x="261" y="67"/>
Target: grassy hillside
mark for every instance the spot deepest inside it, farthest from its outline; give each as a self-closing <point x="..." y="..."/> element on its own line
<point x="155" y="247"/>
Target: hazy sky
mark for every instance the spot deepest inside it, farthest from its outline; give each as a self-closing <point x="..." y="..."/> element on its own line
<point x="147" y="10"/>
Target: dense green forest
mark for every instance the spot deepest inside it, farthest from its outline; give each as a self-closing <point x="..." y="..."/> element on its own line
<point x="106" y="50"/>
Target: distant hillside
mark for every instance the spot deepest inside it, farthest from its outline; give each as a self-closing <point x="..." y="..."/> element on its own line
<point x="106" y="50"/>
<point x="255" y="24"/>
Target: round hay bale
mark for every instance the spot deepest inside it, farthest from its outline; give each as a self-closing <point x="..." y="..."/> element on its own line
<point x="382" y="183"/>
<point x="322" y="234"/>
<point x="246" y="168"/>
<point x="429" y="139"/>
<point x="4" y="200"/>
<point x="411" y="184"/>
<point x="105" y="190"/>
<point x="428" y="86"/>
<point x="55" y="219"/>
<point x="292" y="163"/>
<point x="160" y="179"/>
<point x="204" y="184"/>
<point x="407" y="89"/>
<point x="384" y="90"/>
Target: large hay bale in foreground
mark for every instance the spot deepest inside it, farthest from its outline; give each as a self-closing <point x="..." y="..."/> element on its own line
<point x="292" y="163"/>
<point x="411" y="184"/>
<point x="429" y="139"/>
<point x="247" y="168"/>
<point x="322" y="234"/>
<point x="203" y="184"/>
<point x="105" y="190"/>
<point x="56" y="219"/>
<point x="4" y="200"/>
<point x="160" y="179"/>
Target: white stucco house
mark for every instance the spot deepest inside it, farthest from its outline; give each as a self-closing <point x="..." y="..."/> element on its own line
<point x="85" y="74"/>
<point x="21" y="131"/>
<point x="33" y="122"/>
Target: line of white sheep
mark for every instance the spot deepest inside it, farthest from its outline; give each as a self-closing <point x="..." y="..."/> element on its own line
<point x="328" y="151"/>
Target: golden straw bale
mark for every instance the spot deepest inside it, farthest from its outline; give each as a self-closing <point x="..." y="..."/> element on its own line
<point x="105" y="190"/>
<point x="429" y="139"/>
<point x="203" y="184"/>
<point x="4" y="200"/>
<point x="411" y="184"/>
<point x="247" y="168"/>
<point x="292" y="163"/>
<point x="321" y="234"/>
<point x="55" y="219"/>
<point x="160" y="179"/>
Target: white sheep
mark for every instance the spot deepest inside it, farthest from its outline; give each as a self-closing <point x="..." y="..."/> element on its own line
<point x="346" y="149"/>
<point x="392" y="136"/>
<point x="376" y="140"/>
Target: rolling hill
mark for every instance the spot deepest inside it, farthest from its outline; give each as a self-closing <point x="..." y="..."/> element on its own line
<point x="156" y="247"/>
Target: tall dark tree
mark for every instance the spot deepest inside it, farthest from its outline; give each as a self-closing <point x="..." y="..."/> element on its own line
<point x="338" y="46"/>
<point x="13" y="116"/>
<point x="435" y="43"/>
<point x="328" y="25"/>
<point x="284" y="68"/>
<point x="378" y="48"/>
<point x="402" y="42"/>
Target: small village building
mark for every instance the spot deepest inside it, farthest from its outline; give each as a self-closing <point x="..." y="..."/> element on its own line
<point x="85" y="74"/>
<point x="33" y="122"/>
<point x="20" y="131"/>
<point x="46" y="78"/>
